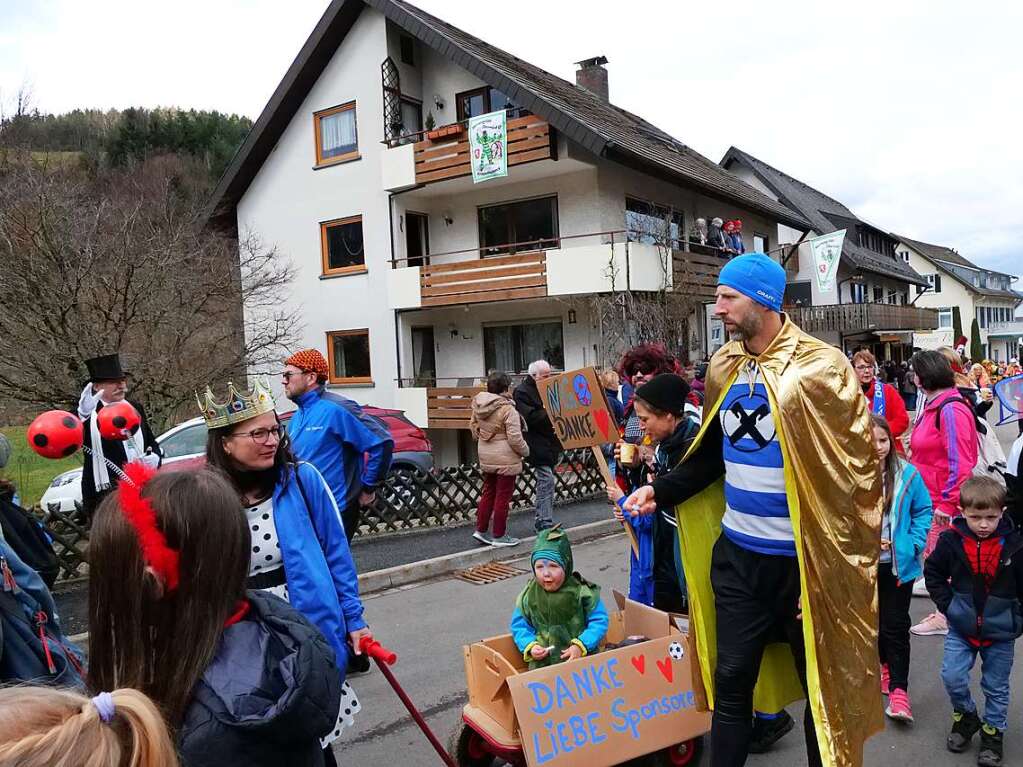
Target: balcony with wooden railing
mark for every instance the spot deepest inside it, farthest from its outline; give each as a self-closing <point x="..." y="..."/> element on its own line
<point x="846" y="318"/>
<point x="578" y="264"/>
<point x="442" y="153"/>
<point x="501" y="278"/>
<point x="447" y="156"/>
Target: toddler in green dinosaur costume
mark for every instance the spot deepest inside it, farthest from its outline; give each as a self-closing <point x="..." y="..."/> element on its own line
<point x="559" y="615"/>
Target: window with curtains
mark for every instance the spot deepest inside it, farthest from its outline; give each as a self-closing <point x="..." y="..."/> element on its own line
<point x="337" y="136"/>
<point x="341" y="246"/>
<point x="411" y="120"/>
<point x="348" y="356"/>
<point x="512" y="347"/>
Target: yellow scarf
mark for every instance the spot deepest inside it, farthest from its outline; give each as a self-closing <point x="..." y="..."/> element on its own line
<point x="834" y="497"/>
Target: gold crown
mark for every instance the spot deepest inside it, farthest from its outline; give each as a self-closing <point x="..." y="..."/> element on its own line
<point x="240" y="405"/>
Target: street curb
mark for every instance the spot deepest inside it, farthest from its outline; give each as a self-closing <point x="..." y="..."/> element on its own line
<point x="412" y="572"/>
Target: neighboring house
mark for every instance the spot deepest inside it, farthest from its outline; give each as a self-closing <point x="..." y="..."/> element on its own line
<point x="417" y="281"/>
<point x="872" y="303"/>
<point x="979" y="293"/>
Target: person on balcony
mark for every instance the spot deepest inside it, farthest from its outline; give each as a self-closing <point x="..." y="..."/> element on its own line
<point x="544" y="447"/>
<point x="715" y="237"/>
<point x="497" y="428"/>
<point x="883" y="398"/>
<point x="699" y="235"/>
<point x="733" y="236"/>
<point x="335" y="435"/>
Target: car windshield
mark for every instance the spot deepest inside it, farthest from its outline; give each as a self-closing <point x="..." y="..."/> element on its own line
<point x="190" y="440"/>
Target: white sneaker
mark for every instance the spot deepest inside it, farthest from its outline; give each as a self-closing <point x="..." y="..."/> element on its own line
<point x="920" y="588"/>
<point x="505" y="540"/>
<point x="483" y="538"/>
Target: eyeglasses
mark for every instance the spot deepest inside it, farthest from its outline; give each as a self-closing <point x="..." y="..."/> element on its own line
<point x="261" y="436"/>
<point x="864" y="367"/>
<point x="288" y="374"/>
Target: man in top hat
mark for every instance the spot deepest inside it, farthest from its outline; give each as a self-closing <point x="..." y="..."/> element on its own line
<point x="107" y="384"/>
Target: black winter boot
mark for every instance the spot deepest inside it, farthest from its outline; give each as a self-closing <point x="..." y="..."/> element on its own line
<point x="964" y="727"/>
<point x="990" y="747"/>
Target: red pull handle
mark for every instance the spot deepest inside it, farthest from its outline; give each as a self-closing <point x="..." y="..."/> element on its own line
<point x="374" y="649"/>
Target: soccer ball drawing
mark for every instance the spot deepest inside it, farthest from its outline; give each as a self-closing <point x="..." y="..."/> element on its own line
<point x="675" y="650"/>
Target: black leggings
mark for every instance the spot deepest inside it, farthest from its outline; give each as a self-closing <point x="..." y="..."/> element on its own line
<point x="756" y="597"/>
<point x="329" y="760"/>
<point x="893" y="630"/>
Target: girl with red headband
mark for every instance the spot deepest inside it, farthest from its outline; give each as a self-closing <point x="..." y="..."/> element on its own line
<point x="241" y="677"/>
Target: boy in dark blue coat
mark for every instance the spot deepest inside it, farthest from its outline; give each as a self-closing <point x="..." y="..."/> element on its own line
<point x="975" y="578"/>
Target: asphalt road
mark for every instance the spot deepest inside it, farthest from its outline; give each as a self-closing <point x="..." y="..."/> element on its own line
<point x="428" y="624"/>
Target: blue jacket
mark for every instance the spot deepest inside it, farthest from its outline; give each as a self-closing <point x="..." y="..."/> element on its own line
<point x="910" y="520"/>
<point x="22" y="657"/>
<point x="524" y="634"/>
<point x="979" y="609"/>
<point x="333" y="434"/>
<point x="322" y="582"/>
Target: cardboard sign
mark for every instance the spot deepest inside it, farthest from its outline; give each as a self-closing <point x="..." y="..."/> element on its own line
<point x="578" y="410"/>
<point x="609" y="707"/>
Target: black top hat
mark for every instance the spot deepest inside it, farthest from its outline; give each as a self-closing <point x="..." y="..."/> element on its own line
<point x="106" y="368"/>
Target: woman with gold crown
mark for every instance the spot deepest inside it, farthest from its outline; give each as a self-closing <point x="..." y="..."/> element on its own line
<point x="299" y="549"/>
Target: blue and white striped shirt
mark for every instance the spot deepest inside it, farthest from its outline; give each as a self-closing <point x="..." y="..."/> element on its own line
<point x="756" y="507"/>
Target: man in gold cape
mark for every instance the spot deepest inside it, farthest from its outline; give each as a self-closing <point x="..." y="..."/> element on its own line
<point x="833" y="497"/>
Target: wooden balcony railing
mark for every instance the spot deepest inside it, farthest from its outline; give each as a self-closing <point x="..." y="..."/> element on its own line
<point x="529" y="138"/>
<point x="695" y="271"/>
<point x="503" y="278"/>
<point x="450" y="407"/>
<point x="844" y="318"/>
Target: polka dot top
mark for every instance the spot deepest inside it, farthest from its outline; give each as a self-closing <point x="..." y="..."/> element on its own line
<point x="266" y="548"/>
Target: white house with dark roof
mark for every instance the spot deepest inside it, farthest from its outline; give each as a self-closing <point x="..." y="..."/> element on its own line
<point x="417" y="281"/>
<point x="954" y="281"/>
<point x="873" y="302"/>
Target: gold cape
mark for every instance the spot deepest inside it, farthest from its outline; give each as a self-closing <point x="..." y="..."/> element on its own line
<point x="834" y="497"/>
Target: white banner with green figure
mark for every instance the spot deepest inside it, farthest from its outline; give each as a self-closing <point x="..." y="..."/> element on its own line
<point x="488" y="146"/>
<point x="827" y="250"/>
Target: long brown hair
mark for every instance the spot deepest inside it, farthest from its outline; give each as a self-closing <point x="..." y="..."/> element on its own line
<point x="246" y="481"/>
<point x="141" y="637"/>
<point x="890" y="467"/>
<point x="43" y="726"/>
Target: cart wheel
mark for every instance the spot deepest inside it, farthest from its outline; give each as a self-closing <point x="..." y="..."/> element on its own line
<point x="685" y="753"/>
<point x="469" y="748"/>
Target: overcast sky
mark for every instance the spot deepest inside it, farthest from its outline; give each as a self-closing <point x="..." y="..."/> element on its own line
<point x="910" y="113"/>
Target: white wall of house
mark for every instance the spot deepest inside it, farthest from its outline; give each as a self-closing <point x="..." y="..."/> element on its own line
<point x="953" y="293"/>
<point x="576" y="194"/>
<point x="618" y="182"/>
<point x="288" y="199"/>
<point x="458" y="333"/>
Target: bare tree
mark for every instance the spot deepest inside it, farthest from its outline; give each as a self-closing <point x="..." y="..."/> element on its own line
<point x="628" y="317"/>
<point x="120" y="260"/>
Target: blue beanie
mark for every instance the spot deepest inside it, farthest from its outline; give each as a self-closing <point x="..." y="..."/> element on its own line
<point x="757" y="276"/>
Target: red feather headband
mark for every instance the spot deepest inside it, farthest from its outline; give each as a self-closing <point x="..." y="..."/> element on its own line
<point x="139" y="511"/>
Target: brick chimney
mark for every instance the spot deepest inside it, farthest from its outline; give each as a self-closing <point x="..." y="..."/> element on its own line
<point x="592" y="76"/>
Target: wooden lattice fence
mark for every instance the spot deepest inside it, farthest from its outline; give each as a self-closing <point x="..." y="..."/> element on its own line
<point x="408" y="500"/>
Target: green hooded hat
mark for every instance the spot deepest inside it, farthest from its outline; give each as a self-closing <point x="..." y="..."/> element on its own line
<point x="557" y="616"/>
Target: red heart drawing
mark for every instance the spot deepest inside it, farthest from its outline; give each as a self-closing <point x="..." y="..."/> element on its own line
<point x="601" y="419"/>
<point x="665" y="668"/>
<point x="639" y="662"/>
